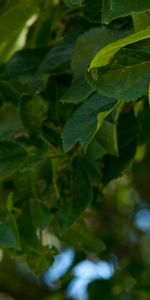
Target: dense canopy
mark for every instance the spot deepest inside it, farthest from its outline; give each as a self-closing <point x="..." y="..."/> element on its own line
<point x="74" y="146"/>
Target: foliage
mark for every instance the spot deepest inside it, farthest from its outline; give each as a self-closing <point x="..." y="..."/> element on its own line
<point x="74" y="117"/>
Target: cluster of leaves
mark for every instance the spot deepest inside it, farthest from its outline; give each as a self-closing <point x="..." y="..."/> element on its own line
<point x="74" y="113"/>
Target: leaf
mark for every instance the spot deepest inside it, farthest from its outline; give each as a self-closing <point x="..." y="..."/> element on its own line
<point x="71" y="3"/>
<point x="58" y="59"/>
<point x="27" y="230"/>
<point x="39" y="262"/>
<point x="95" y="150"/>
<point x="41" y="215"/>
<point x="92" y="10"/>
<point x="78" y="92"/>
<point x="107" y="137"/>
<point x="8" y="93"/>
<point x="24" y="64"/>
<point x="12" y="157"/>
<point x="125" y="83"/>
<point x="105" y="54"/>
<point x="86" y="120"/>
<point x="144" y="124"/>
<point x="33" y="112"/>
<point x="95" y="38"/>
<point x="141" y="21"/>
<point x="127" y="132"/>
<point x="81" y="197"/>
<point x="9" y="234"/>
<point x="94" y="169"/>
<point x="113" y="9"/>
<point x="10" y="122"/>
<point x="127" y="76"/>
<point x="82" y="239"/>
<point x="105" y="140"/>
<point x="12" y="22"/>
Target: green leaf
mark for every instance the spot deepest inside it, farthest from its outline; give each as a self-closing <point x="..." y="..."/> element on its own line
<point x="33" y="112"/>
<point x="9" y="233"/>
<point x="39" y="262"/>
<point x="8" y="93"/>
<point x="107" y="137"/>
<point x="96" y="38"/>
<point x="12" y="22"/>
<point x="105" y="140"/>
<point x="81" y="197"/>
<point x="127" y="76"/>
<point x="24" y="64"/>
<point x="125" y="83"/>
<point x="127" y="135"/>
<point x="10" y="122"/>
<point x="95" y="150"/>
<point x="27" y="229"/>
<point x="71" y="3"/>
<point x="41" y="215"/>
<point x="105" y="54"/>
<point x="78" y="92"/>
<point x="12" y="157"/>
<point x="92" y="10"/>
<point x="86" y="120"/>
<point x="141" y="21"/>
<point x="113" y="9"/>
<point x="144" y="124"/>
<point x="58" y="59"/>
<point x="82" y="239"/>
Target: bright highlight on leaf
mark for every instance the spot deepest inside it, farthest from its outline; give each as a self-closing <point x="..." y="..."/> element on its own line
<point x="12" y="23"/>
<point x="104" y="56"/>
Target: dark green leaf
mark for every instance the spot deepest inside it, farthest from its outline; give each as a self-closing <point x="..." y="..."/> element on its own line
<point x="86" y="120"/>
<point x="27" y="229"/>
<point x="92" y="10"/>
<point x="81" y="197"/>
<point x="33" y="112"/>
<point x="82" y="239"/>
<point x="95" y="38"/>
<point x="127" y="132"/>
<point x="58" y="59"/>
<point x="144" y="123"/>
<point x="8" y="93"/>
<point x="39" y="262"/>
<point x="95" y="150"/>
<point x="9" y="233"/>
<point x="10" y="122"/>
<point x="71" y="3"/>
<point x="12" y="157"/>
<point x="24" y="64"/>
<point x="113" y="9"/>
<point x="41" y="215"/>
<point x="125" y="83"/>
